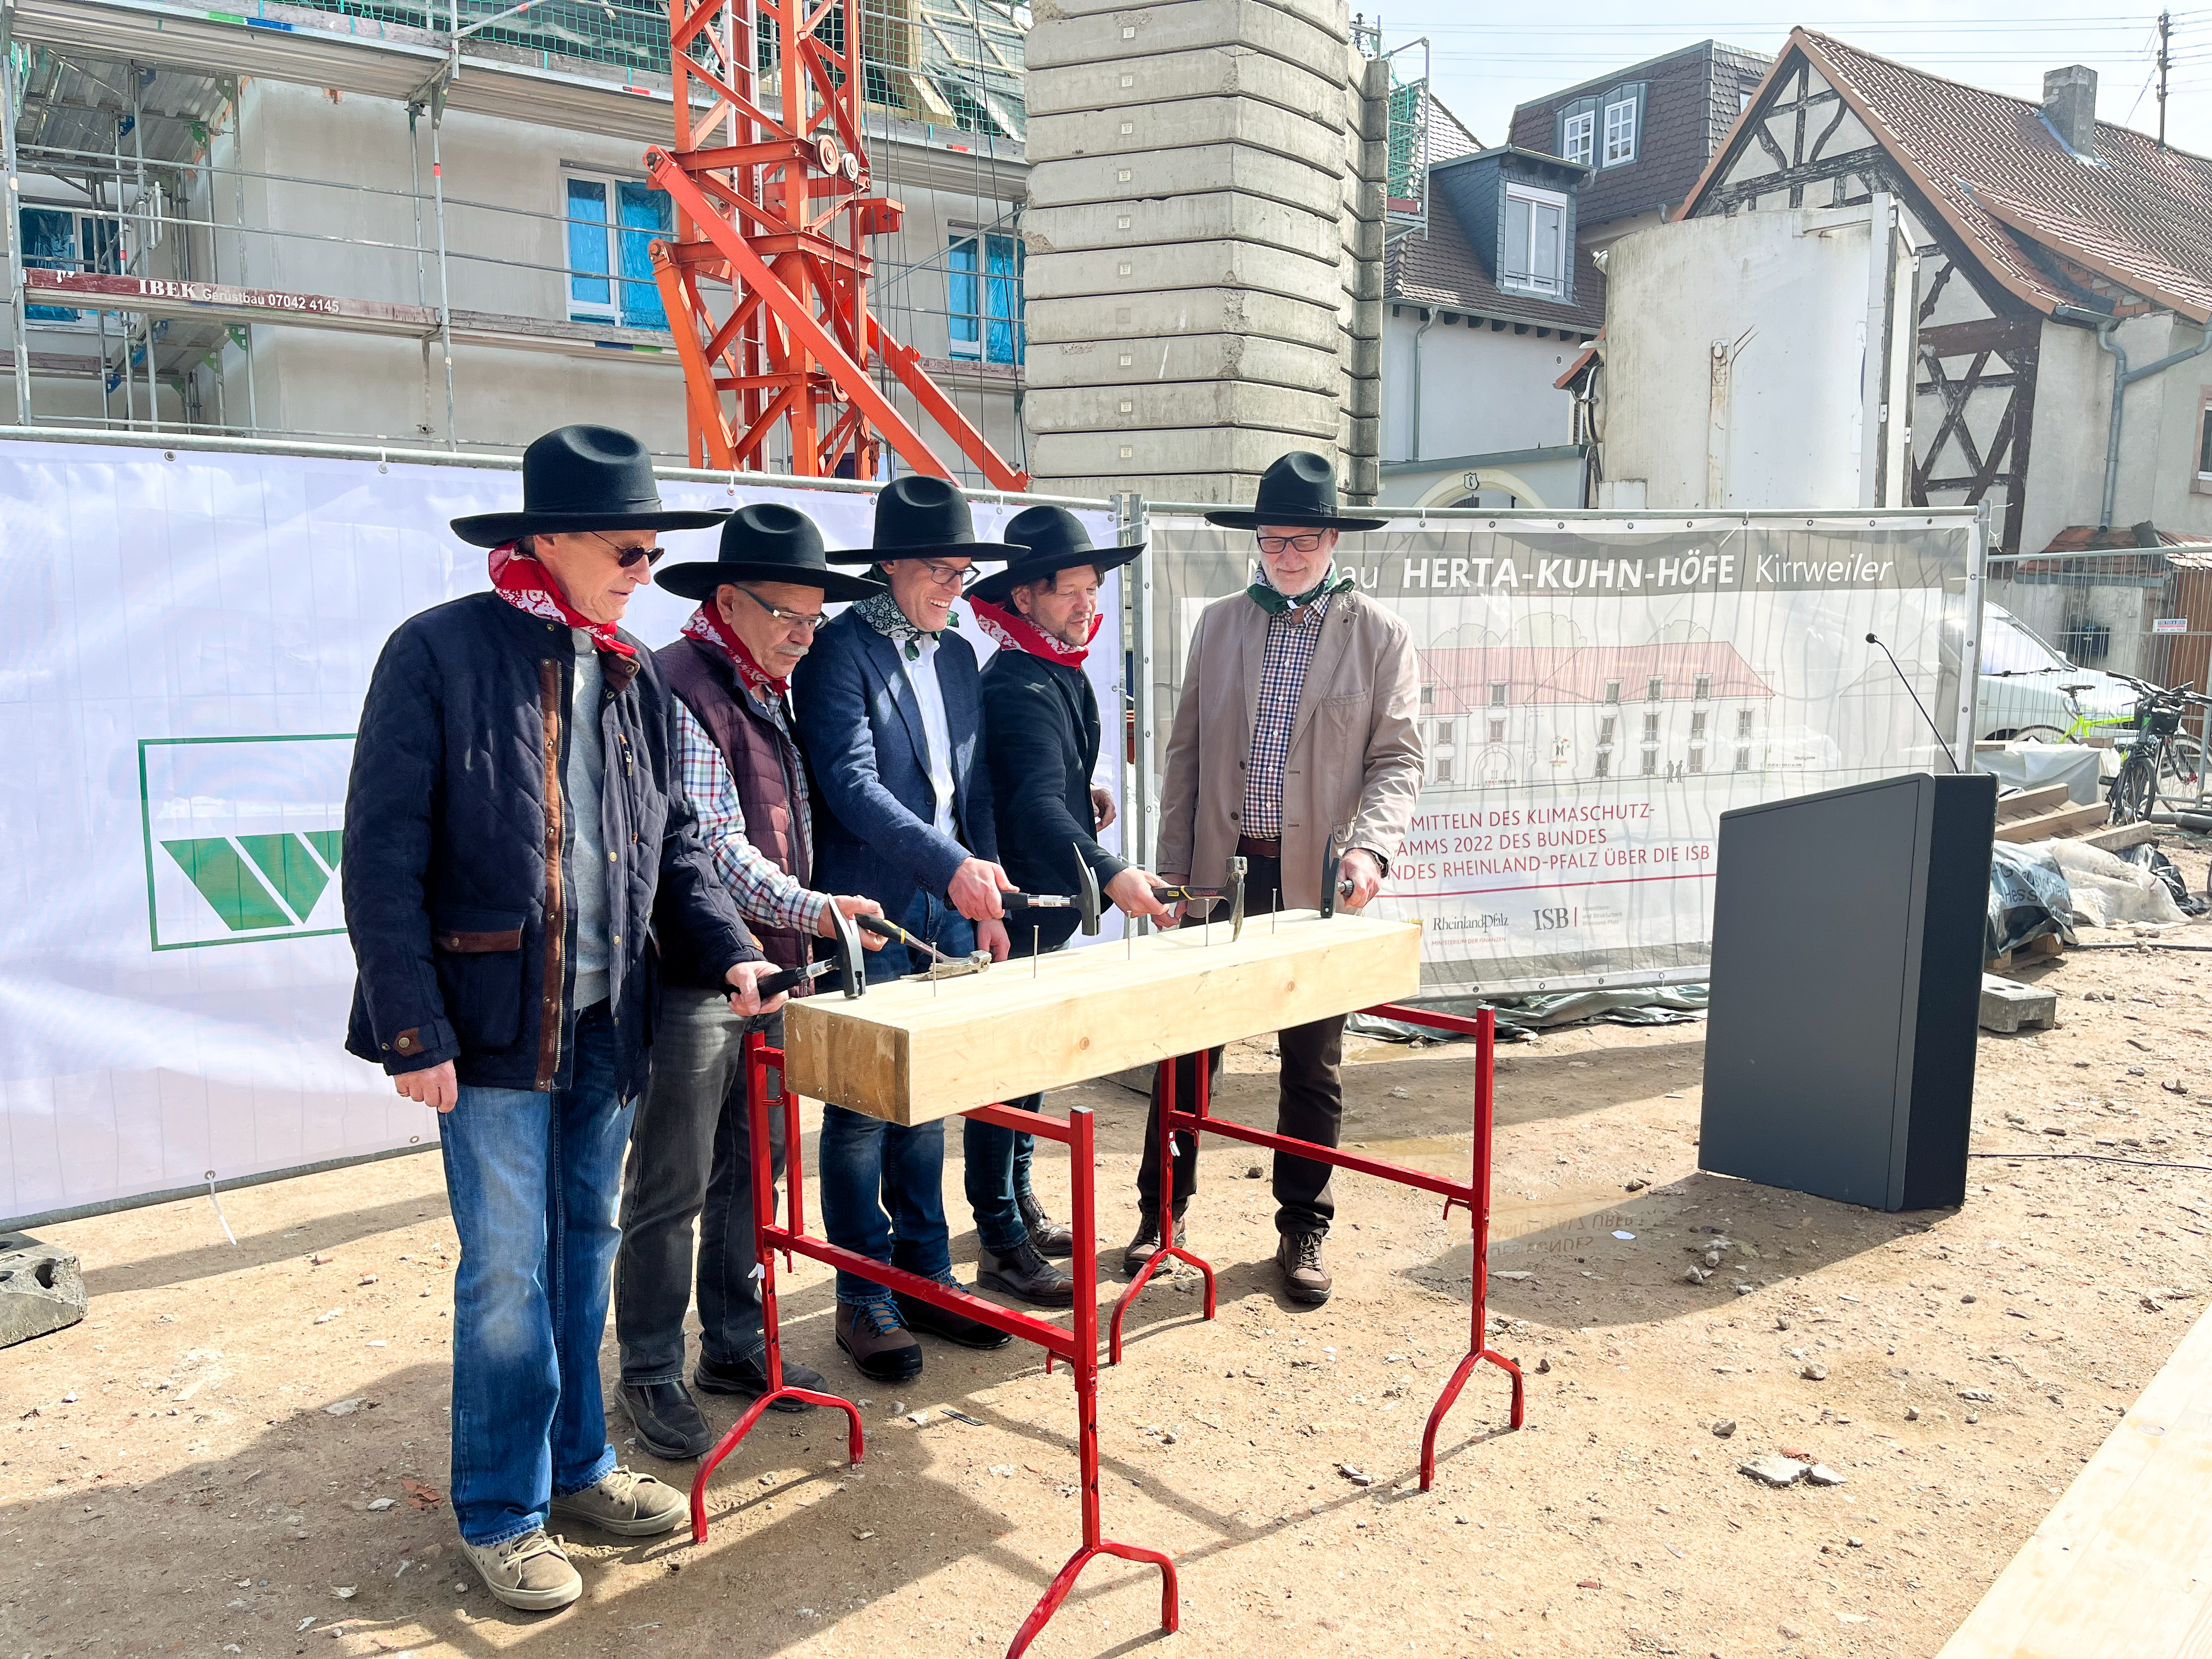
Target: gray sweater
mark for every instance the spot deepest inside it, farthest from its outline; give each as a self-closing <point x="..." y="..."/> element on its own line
<point x="586" y="769"/>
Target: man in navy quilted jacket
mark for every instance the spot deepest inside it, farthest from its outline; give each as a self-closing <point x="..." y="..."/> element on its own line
<point x="512" y="836"/>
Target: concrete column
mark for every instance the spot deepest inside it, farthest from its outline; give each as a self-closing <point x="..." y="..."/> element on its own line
<point x="1186" y="293"/>
<point x="1366" y="188"/>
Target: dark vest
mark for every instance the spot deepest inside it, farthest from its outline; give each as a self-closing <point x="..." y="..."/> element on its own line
<point x="764" y="764"/>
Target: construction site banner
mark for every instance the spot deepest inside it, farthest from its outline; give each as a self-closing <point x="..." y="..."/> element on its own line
<point x="179" y="686"/>
<point x="1594" y="693"/>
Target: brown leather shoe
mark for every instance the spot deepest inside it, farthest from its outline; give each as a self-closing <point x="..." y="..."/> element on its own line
<point x="1139" y="1250"/>
<point x="884" y="1349"/>
<point x="1305" y="1275"/>
<point x="1047" y="1237"/>
<point x="1026" y="1276"/>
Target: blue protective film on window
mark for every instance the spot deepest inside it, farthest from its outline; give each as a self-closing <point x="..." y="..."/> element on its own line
<point x="960" y="296"/>
<point x="49" y="244"/>
<point x="588" y="243"/>
<point x="646" y="217"/>
<point x="1003" y="294"/>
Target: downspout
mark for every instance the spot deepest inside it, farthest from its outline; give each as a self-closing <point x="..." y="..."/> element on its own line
<point x="1426" y="326"/>
<point x="2123" y="377"/>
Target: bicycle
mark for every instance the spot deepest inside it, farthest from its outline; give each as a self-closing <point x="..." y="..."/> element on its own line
<point x="2084" y="726"/>
<point x="2160" y="755"/>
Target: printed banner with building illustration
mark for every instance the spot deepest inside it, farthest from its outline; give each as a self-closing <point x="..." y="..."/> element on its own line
<point x="1596" y="693"/>
<point x="179" y="690"/>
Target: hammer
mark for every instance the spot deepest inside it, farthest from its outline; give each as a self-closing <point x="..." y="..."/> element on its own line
<point x="1087" y="901"/>
<point x="1333" y="885"/>
<point x="1233" y="890"/>
<point x="852" y="978"/>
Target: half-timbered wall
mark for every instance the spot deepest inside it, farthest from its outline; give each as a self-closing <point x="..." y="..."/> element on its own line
<point x="1804" y="147"/>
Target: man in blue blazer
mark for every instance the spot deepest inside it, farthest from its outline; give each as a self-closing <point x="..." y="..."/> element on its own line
<point x="890" y="716"/>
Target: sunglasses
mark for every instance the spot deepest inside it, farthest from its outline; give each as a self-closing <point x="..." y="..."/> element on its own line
<point x="628" y="556"/>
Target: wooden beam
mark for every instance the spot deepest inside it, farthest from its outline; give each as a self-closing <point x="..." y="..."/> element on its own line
<point x="2120" y="836"/>
<point x="2117" y="1570"/>
<point x="911" y="1052"/>
<point x="2032" y="803"/>
<point x="2067" y="821"/>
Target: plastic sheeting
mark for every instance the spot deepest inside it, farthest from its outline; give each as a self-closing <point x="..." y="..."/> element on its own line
<point x="1521" y="1018"/>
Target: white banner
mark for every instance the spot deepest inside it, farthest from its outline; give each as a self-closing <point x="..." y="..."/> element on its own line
<point x="1594" y="695"/>
<point x="179" y="688"/>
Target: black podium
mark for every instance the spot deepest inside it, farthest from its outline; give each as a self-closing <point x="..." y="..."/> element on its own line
<point x="1846" y="990"/>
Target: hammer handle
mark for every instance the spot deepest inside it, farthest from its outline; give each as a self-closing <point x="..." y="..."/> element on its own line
<point x="791" y="978"/>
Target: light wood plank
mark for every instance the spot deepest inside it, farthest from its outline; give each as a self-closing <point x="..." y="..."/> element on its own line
<point x="911" y="1052"/>
<point x="2032" y="803"/>
<point x="2122" y="1568"/>
<point x="2067" y="821"/>
<point x="2119" y="837"/>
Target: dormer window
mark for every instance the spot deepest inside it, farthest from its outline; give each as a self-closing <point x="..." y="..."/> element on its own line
<point x="1578" y="133"/>
<point x="1621" y="126"/>
<point x="1532" y="254"/>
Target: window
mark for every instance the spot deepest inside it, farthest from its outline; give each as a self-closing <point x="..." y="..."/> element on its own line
<point x="56" y="239"/>
<point x="1578" y="136"/>
<point x="1702" y="688"/>
<point x="986" y="304"/>
<point x="1612" y="691"/>
<point x="1620" y="124"/>
<point x="1443" y="759"/>
<point x="1604" y="764"/>
<point x="1651" y="762"/>
<point x="1698" y="726"/>
<point x="2203" y="438"/>
<point x="1498" y="694"/>
<point x="1742" y="725"/>
<point x="1496" y="731"/>
<point x="1605" y="731"/>
<point x="1743" y="760"/>
<point x="1697" y="757"/>
<point x="1428" y="696"/>
<point x="1534" y="253"/>
<point x="610" y="262"/>
<point x="1654" y="689"/>
<point x="1650" y="728"/>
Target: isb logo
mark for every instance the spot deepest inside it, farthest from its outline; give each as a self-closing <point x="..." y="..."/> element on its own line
<point x="243" y="836"/>
<point x="1552" y="918"/>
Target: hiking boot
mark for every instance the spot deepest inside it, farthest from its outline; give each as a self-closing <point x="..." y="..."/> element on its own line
<point x="1047" y="1235"/>
<point x="626" y="1504"/>
<point x="1140" y="1248"/>
<point x="528" y="1571"/>
<point x="749" y="1377"/>
<point x="668" y="1421"/>
<point x="1027" y="1276"/>
<point x="1305" y="1275"/>
<point x="879" y="1342"/>
<point x="953" y="1328"/>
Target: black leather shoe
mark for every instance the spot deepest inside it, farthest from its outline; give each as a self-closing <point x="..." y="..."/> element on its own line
<point x="1139" y="1250"/>
<point x="880" y="1345"/>
<point x="953" y="1328"/>
<point x="669" y="1424"/>
<point x="1026" y="1275"/>
<point x="1046" y="1235"/>
<point x="749" y="1377"/>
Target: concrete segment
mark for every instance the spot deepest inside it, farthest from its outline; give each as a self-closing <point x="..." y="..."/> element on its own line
<point x="1319" y="13"/>
<point x="1174" y="268"/>
<point x="1198" y="450"/>
<point x="1250" y="25"/>
<point x="1118" y="411"/>
<point x="1214" y="488"/>
<point x="1208" y="72"/>
<point x="1315" y="138"/>
<point x="1071" y="182"/>
<point x="41" y="1290"/>
<point x="1195" y="310"/>
<point x="1177" y="357"/>
<point x="1227" y="215"/>
<point x="2007" y="1005"/>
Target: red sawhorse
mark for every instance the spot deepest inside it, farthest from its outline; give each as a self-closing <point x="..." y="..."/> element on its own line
<point x="1473" y="1194"/>
<point x="1076" y="1348"/>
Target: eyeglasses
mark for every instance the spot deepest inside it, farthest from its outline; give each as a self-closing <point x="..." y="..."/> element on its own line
<point x="1308" y="543"/>
<point x="626" y="556"/>
<point x="948" y="575"/>
<point x="805" y="622"/>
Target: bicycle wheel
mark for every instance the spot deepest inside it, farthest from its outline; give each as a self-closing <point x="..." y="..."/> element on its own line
<point x="2039" y="734"/>
<point x="2134" y="788"/>
<point x="2181" y="769"/>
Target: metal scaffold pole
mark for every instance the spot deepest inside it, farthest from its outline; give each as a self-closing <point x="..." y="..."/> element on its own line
<point x="445" y="292"/>
<point x="19" y="323"/>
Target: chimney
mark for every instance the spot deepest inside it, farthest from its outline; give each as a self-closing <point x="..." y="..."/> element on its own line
<point x="2069" y="104"/>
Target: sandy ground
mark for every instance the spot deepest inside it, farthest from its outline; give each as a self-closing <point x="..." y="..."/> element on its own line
<point x="243" y="1449"/>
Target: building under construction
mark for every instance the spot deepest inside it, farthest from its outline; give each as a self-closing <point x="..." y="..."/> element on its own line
<point x="429" y="224"/>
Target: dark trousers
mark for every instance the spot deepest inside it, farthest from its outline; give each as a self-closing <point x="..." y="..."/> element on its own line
<point x="1309" y="1107"/>
<point x="691" y="1159"/>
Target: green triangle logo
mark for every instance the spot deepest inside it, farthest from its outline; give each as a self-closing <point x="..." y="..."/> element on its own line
<point x="327" y="844"/>
<point x="213" y="866"/>
<point x="256" y="883"/>
<point x="289" y="868"/>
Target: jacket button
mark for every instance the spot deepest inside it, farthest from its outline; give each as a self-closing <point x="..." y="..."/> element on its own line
<point x="1232" y="817"/>
<point x="610" y="858"/>
<point x="619" y="939"/>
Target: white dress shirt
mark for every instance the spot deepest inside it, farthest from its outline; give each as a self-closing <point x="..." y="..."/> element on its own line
<point x="936" y="729"/>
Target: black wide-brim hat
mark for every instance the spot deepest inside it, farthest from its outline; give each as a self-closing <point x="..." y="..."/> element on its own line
<point x="1047" y="539"/>
<point x="919" y="517"/>
<point x="1299" y="489"/>
<point x="580" y="478"/>
<point x="768" y="542"/>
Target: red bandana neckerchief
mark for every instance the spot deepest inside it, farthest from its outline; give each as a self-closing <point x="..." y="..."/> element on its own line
<point x="707" y="624"/>
<point x="528" y="586"/>
<point x="1016" y="632"/>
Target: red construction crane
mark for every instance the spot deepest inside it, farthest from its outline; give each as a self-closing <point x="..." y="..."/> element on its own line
<point x="772" y="216"/>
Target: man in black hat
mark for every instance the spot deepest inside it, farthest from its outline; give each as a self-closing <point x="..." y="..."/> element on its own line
<point x="1321" y="739"/>
<point x="1041" y="733"/>
<point x="690" y="1150"/>
<point x="892" y="720"/>
<point x="511" y="822"/>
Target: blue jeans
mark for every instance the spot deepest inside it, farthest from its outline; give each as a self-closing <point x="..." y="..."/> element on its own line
<point x="532" y="1179"/>
<point x="869" y="1165"/>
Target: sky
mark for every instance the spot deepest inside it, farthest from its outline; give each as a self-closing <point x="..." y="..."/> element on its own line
<point x="1481" y="69"/>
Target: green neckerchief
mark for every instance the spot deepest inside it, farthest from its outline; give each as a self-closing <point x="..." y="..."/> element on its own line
<point x="881" y="613"/>
<point x="1272" y="600"/>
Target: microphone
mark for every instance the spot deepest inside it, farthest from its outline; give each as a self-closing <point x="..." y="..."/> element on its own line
<point x="1939" y="742"/>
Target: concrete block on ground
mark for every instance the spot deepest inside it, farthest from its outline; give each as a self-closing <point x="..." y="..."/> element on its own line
<point x="1147" y="316"/>
<point x="1224" y="72"/>
<point x="1110" y="274"/>
<point x="1068" y="182"/>
<point x="1180" y="357"/>
<point x="1223" y="215"/>
<point x="1060" y="35"/>
<point x="2008" y="1005"/>
<point x="1313" y="136"/>
<point x="41" y="1290"/>
<point x="1121" y="410"/>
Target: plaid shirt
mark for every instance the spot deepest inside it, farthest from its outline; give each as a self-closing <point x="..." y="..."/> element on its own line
<point x="765" y="894"/>
<point x="1291" y="637"/>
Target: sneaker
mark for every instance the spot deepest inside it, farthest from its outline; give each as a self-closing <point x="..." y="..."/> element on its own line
<point x="1305" y="1275"/>
<point x="1147" y="1241"/>
<point x="626" y="1504"/>
<point x="879" y="1343"/>
<point x="749" y="1377"/>
<point x="669" y="1423"/>
<point x="1046" y="1235"/>
<point x="1026" y="1276"/>
<point x="953" y="1327"/>
<point x="529" y="1571"/>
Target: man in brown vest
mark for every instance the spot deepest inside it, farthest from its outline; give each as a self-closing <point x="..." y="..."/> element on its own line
<point x="690" y="1151"/>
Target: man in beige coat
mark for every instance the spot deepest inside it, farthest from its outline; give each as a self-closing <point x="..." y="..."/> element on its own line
<point x="1296" y="718"/>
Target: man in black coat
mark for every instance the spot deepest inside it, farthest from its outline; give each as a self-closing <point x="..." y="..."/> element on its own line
<point x="511" y="817"/>
<point x="1041" y="738"/>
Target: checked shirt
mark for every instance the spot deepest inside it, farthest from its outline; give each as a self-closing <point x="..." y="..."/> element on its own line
<point x="764" y="893"/>
<point x="1292" y="637"/>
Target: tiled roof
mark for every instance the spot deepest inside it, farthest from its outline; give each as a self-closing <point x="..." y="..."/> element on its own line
<point x="1692" y="101"/>
<point x="1449" y="136"/>
<point x="1562" y="673"/>
<point x="2087" y="539"/>
<point x="1441" y="270"/>
<point x="1992" y="167"/>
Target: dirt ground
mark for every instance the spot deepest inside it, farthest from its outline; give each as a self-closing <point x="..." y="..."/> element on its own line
<point x="243" y="1449"/>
